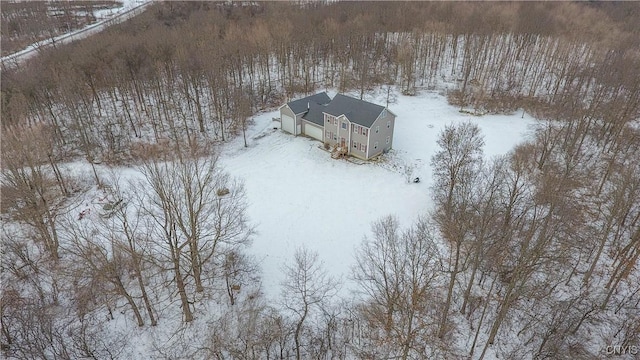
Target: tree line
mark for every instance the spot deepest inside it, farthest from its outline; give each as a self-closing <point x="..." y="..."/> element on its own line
<point x="541" y="246"/>
<point x="199" y="70"/>
<point x="30" y="23"/>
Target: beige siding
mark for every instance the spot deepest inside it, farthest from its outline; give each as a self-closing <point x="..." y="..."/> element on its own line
<point x="285" y="112"/>
<point x="366" y="146"/>
<point x="381" y="136"/>
<point x="312" y="130"/>
<point x="330" y="129"/>
<point x="344" y="131"/>
<point x="358" y="139"/>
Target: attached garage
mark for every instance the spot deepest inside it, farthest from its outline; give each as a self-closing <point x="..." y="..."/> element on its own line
<point x="313" y="131"/>
<point x="288" y="123"/>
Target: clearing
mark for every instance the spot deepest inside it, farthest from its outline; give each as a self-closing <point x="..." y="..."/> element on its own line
<point x="299" y="196"/>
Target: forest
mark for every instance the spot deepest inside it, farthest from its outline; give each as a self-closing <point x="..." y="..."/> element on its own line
<point x="531" y="255"/>
<point x="26" y="23"/>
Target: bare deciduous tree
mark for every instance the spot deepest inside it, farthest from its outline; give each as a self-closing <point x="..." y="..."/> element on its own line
<point x="456" y="167"/>
<point x="197" y="210"/>
<point x="30" y="178"/>
<point x="398" y="275"/>
<point x="305" y="290"/>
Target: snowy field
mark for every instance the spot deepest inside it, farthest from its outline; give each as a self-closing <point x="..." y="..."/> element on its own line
<point x="299" y="196"/>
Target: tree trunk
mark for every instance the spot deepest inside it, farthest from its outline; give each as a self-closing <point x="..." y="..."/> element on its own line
<point x="452" y="280"/>
<point x="182" y="291"/>
<point x="130" y="300"/>
<point x="299" y="325"/>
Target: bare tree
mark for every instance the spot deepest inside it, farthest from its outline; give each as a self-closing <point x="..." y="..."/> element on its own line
<point x="98" y="260"/>
<point x="398" y="275"/>
<point x="197" y="210"/>
<point x="306" y="289"/>
<point x="456" y="168"/>
<point x="31" y="182"/>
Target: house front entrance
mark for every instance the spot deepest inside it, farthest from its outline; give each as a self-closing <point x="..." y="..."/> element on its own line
<point x="343" y="142"/>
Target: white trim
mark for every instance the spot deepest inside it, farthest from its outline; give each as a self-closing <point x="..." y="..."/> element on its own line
<point x="380" y="115"/>
<point x="366" y="154"/>
<point x="290" y="109"/>
<point x="391" y="112"/>
<point x="315" y="126"/>
<point x="293" y="124"/>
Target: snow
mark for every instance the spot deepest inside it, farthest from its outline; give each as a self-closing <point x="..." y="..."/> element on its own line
<point x="104" y="18"/>
<point x="299" y="196"/>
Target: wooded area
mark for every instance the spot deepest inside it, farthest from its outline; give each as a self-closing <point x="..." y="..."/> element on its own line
<point x="542" y="245"/>
<point x="26" y="23"/>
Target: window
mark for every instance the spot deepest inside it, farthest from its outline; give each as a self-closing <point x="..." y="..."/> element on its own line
<point x="335" y="137"/>
<point x="355" y="128"/>
<point x="355" y="145"/>
<point x="335" y="120"/>
<point x="344" y="126"/>
<point x="388" y="124"/>
<point x="388" y="139"/>
<point x="384" y="113"/>
<point x="363" y="147"/>
<point x="377" y="129"/>
<point x="364" y="132"/>
<point x="327" y="134"/>
<point x="375" y="145"/>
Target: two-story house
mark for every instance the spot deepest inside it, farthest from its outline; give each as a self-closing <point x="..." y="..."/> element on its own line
<point x="360" y="128"/>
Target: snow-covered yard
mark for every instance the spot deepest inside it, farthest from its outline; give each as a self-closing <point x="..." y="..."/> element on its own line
<point x="299" y="196"/>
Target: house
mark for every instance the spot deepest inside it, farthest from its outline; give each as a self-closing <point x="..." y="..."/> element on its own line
<point x="359" y="128"/>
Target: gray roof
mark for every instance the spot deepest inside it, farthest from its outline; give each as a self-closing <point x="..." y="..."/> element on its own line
<point x="315" y="114"/>
<point x="358" y="111"/>
<point x="301" y="105"/>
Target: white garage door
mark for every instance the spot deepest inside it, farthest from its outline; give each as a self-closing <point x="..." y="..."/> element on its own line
<point x="287" y="123"/>
<point x="314" y="132"/>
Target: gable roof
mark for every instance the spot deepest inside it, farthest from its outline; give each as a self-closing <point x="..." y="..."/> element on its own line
<point x="315" y="114"/>
<point x="358" y="111"/>
<point x="302" y="105"/>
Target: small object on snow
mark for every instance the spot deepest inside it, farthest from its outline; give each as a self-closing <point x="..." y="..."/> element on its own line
<point x="222" y="192"/>
<point x="275" y="128"/>
<point x="416" y="180"/>
<point x="84" y="213"/>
